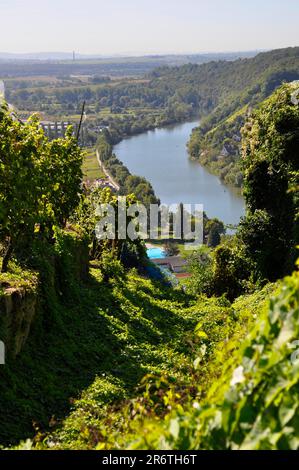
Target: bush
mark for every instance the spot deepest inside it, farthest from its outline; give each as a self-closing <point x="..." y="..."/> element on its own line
<point x="270" y="230"/>
<point x="39" y="184"/>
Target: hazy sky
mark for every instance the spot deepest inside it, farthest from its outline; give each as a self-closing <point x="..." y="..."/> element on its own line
<point x="147" y="26"/>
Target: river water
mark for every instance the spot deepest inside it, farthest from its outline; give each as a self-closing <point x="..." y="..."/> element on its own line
<point x="161" y="157"/>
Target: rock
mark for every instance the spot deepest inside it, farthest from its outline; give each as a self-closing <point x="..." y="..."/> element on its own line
<point x="17" y="310"/>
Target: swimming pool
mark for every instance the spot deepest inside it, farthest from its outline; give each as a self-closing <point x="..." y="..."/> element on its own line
<point x="155" y="253"/>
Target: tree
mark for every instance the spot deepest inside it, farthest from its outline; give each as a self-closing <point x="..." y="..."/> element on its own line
<point x="63" y="165"/>
<point x="87" y="216"/>
<point x="171" y="248"/>
<point x="214" y="229"/>
<point x="20" y="194"/>
<point x="200" y="267"/>
<point x="230" y="271"/>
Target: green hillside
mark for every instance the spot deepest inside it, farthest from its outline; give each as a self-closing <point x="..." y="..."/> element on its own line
<point x="167" y="95"/>
<point x="217" y="142"/>
<point x="104" y="353"/>
<point x="155" y="361"/>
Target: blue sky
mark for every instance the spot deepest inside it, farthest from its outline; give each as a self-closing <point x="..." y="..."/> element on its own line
<point x="147" y="26"/>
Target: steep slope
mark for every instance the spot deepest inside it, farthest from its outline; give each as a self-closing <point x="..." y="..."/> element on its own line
<point x="216" y="143"/>
<point x="239" y="393"/>
<point x="106" y="334"/>
<point x="145" y="358"/>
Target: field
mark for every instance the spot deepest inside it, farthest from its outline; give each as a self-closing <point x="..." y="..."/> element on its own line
<point x="91" y="169"/>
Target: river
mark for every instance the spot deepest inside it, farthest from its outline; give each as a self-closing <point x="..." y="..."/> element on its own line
<point x="161" y="157"/>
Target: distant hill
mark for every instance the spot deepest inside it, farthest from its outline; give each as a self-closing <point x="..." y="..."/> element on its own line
<point x="61" y="63"/>
<point x="221" y="92"/>
<point x="233" y="89"/>
<point x="36" y="56"/>
<point x="204" y="57"/>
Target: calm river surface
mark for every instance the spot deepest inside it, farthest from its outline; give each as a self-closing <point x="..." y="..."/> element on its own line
<point x="161" y="157"/>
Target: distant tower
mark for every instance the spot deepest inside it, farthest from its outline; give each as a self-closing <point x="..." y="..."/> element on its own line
<point x="74" y="56"/>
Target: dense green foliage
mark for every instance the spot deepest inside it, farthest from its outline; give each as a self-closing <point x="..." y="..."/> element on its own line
<point x="254" y="403"/>
<point x="106" y="335"/>
<point x="88" y="219"/>
<point x="183" y="367"/>
<point x="250" y="402"/>
<point x="264" y="247"/>
<point x="122" y="331"/>
<point x="270" y="230"/>
<point x="116" y="360"/>
<point x="242" y="86"/>
<point x="39" y="183"/>
<point x="225" y="271"/>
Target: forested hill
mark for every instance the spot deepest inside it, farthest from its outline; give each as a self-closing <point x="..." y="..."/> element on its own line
<point x="224" y="76"/>
<point x="214" y="90"/>
<point x="234" y="89"/>
<point x="221" y="92"/>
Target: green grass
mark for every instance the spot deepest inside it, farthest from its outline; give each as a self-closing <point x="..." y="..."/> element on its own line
<point x="112" y="334"/>
<point x="236" y="114"/>
<point x="17" y="278"/>
<point x="87" y="376"/>
<point x="78" y="383"/>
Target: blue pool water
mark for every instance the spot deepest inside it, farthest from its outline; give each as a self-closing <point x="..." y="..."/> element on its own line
<point x="155" y="253"/>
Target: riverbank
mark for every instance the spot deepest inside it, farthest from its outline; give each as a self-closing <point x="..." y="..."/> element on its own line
<point x="119" y="173"/>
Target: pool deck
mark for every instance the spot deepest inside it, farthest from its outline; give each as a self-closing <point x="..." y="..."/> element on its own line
<point x="148" y="246"/>
<point x="176" y="264"/>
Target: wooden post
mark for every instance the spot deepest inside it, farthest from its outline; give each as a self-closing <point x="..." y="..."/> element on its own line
<point x="80" y="123"/>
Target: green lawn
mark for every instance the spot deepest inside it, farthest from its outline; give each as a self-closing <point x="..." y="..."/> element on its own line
<point x="91" y="169"/>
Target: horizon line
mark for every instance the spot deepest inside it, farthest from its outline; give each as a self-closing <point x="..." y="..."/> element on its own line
<point x="140" y="54"/>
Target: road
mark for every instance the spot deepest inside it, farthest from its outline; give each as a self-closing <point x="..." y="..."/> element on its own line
<point x="111" y="180"/>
